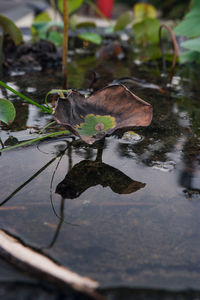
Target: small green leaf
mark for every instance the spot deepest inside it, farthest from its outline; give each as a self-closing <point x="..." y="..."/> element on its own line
<point x="73" y="21"/>
<point x="193" y="44"/>
<point x="86" y="25"/>
<point x="143" y="11"/>
<point x="147" y="31"/>
<point x="42" y="17"/>
<point x="7" y="111"/>
<point x="10" y="27"/>
<point x="96" y="124"/>
<point x="123" y="21"/>
<point x="91" y="37"/>
<point x="72" y="5"/>
<point x="55" y="37"/>
<point x="42" y="29"/>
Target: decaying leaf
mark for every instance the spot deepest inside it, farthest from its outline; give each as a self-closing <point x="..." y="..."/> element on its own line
<point x="105" y="111"/>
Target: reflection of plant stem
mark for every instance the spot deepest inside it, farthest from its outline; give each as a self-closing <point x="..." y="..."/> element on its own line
<point x="61" y="216"/>
<point x="2" y="145"/>
<point x="29" y="180"/>
<point x="62" y="206"/>
<point x="70" y="157"/>
<point x="51" y="183"/>
<point x="65" y="43"/>
<point x="49" y="110"/>
<point x="100" y="150"/>
<point x="162" y="49"/>
<point x="53" y="134"/>
<point x="46" y="126"/>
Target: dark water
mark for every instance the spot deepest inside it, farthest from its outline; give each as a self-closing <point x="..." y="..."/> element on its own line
<point x="135" y="225"/>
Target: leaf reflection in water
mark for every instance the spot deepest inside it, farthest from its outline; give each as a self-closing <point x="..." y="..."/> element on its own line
<point x="87" y="174"/>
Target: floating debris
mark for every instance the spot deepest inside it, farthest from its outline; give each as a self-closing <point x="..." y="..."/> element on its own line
<point x="166" y="166"/>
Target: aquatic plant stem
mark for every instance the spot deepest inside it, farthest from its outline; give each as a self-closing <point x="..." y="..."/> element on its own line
<point x="65" y="43"/>
<point x="175" y="45"/>
<point x="26" y="143"/>
<point x="100" y="150"/>
<point x="43" y="108"/>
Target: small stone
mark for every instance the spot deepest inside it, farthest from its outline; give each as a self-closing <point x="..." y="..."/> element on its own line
<point x="99" y="126"/>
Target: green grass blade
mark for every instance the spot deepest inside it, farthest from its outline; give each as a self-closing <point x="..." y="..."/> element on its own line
<point x="26" y="143"/>
<point x="43" y="108"/>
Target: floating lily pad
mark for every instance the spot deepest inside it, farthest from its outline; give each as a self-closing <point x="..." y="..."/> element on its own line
<point x="7" y="111"/>
<point x="112" y="108"/>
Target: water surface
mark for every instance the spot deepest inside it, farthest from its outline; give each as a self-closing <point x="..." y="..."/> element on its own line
<point x="137" y="223"/>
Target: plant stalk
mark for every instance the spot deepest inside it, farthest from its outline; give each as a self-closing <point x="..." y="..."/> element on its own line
<point x="175" y="48"/>
<point x="65" y="43"/>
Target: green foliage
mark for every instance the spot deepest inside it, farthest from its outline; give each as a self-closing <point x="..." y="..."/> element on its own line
<point x="43" y="108"/>
<point x="147" y="25"/>
<point x="125" y="19"/>
<point x="193" y="44"/>
<point x="85" y="25"/>
<point x="143" y="11"/>
<point x="190" y="28"/>
<point x="90" y="126"/>
<point x="26" y="143"/>
<point x="40" y="19"/>
<point x="72" y="5"/>
<point x="9" y="27"/>
<point x="49" y="30"/>
<point x="55" y="37"/>
<point x="146" y="31"/>
<point x="189" y="56"/>
<point x="7" y="111"/>
<point x="90" y="37"/>
<point x="44" y="28"/>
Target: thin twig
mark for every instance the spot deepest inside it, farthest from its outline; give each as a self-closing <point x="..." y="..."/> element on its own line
<point x="175" y="45"/>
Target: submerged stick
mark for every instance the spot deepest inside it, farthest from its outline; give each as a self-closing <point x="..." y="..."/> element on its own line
<point x="175" y="45"/>
<point x="29" y="259"/>
<point x="65" y="43"/>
